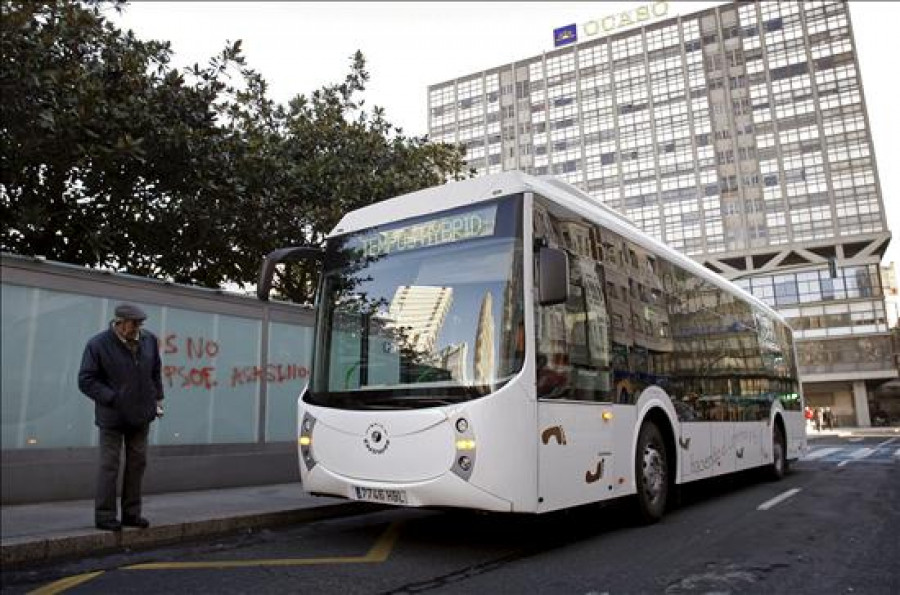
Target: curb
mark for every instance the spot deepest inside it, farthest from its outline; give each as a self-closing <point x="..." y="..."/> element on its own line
<point x="872" y="432"/>
<point x="19" y="552"/>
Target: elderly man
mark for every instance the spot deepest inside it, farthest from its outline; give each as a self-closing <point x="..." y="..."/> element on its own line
<point x="121" y="372"/>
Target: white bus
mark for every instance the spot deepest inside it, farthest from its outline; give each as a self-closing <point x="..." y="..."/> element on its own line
<point x="505" y="343"/>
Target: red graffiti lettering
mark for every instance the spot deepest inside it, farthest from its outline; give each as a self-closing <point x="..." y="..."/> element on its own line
<point x="237" y="376"/>
<point x="195" y="347"/>
<point x="189" y="378"/>
<point x="200" y="377"/>
<point x="170" y="372"/>
<point x="171" y="344"/>
<point x="274" y="373"/>
<point x="198" y="347"/>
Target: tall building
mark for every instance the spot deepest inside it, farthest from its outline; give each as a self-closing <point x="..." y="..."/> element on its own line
<point x="484" y="342"/>
<point x="891" y="289"/>
<point x="738" y="135"/>
<point x="420" y="311"/>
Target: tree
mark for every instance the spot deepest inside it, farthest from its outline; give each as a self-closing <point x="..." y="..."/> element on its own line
<point x="320" y="157"/>
<point x="111" y="158"/>
<point x="100" y="138"/>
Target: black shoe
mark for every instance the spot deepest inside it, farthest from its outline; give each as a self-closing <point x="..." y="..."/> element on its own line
<point x="139" y="522"/>
<point x="110" y="525"/>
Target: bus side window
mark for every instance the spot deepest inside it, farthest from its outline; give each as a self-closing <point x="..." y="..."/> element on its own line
<point x="552" y="383"/>
<point x="572" y="360"/>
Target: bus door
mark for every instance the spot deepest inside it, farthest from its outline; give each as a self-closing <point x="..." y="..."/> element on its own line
<point x="573" y="387"/>
<point x="575" y="454"/>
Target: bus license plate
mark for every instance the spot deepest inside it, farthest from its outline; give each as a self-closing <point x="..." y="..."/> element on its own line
<point x="380" y="495"/>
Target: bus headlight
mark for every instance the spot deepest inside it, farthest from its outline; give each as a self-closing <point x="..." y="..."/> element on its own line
<point x="304" y="440"/>
<point x="464" y="461"/>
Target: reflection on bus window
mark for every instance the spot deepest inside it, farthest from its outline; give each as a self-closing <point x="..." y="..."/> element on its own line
<point x="635" y="320"/>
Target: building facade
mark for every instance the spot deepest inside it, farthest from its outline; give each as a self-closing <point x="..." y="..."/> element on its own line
<point x="891" y="289"/>
<point x="738" y="135"/>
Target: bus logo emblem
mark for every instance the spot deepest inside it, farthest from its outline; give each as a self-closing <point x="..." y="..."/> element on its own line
<point x="376" y="440"/>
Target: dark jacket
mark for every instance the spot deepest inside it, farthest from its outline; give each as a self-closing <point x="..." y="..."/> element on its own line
<point x="125" y="387"/>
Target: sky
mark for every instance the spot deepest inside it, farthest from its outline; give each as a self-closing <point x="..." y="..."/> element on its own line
<point x="299" y="47"/>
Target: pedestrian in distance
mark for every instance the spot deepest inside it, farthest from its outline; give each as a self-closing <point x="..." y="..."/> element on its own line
<point x="121" y="372"/>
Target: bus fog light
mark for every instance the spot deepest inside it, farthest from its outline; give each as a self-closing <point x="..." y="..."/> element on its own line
<point x="465" y="463"/>
<point x="304" y="441"/>
<point x="465" y="444"/>
<point x="462" y="425"/>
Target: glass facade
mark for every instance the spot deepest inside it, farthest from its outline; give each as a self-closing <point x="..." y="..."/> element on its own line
<point x="737" y="135"/>
<point x="731" y="129"/>
<point x="212" y="367"/>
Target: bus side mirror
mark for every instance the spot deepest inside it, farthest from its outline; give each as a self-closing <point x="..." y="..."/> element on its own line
<point x="267" y="272"/>
<point x="553" y="268"/>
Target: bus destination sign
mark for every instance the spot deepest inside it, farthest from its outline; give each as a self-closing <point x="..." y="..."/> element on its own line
<point x="434" y="232"/>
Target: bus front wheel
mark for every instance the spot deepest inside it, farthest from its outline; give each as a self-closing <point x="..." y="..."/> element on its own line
<point x="651" y="472"/>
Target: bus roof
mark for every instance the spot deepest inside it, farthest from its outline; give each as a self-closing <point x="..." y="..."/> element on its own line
<point x="471" y="191"/>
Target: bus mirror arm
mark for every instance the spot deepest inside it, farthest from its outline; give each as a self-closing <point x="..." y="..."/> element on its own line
<point x="292" y="254"/>
<point x="553" y="268"/>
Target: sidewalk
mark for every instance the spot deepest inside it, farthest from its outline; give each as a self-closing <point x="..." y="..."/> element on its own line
<point x="33" y="533"/>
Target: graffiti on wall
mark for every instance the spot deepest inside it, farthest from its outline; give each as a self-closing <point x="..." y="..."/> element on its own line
<point x="190" y="362"/>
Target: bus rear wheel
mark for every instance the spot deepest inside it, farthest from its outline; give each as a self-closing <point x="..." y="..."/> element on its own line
<point x="779" y="454"/>
<point x="651" y="472"/>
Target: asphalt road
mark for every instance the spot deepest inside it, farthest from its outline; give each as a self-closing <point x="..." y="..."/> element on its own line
<point x="831" y="526"/>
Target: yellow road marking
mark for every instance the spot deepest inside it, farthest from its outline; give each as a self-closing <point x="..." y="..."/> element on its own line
<point x="382" y="548"/>
<point x="378" y="553"/>
<point x="66" y="583"/>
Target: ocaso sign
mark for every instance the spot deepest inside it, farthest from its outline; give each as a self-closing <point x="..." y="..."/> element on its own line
<point x="625" y="18"/>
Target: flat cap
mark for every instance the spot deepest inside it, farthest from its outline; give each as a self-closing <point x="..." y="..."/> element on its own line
<point x="130" y="312"/>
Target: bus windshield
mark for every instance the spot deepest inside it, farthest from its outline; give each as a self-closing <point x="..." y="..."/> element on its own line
<point x="421" y="313"/>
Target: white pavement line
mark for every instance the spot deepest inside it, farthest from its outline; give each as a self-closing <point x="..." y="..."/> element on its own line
<point x="886" y="442"/>
<point x="856" y="455"/>
<point x="822" y="452"/>
<point x="777" y="499"/>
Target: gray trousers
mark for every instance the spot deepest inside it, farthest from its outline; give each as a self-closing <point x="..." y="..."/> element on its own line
<point x="111" y="441"/>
